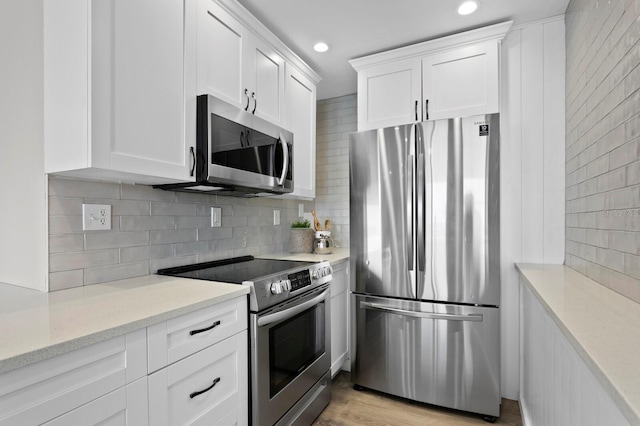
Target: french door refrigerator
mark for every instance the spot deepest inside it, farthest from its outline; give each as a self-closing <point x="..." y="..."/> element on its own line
<point x="424" y="220"/>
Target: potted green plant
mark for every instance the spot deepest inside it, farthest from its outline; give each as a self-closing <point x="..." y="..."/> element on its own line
<point x="301" y="237"/>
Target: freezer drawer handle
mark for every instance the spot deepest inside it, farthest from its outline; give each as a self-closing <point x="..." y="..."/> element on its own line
<point x="194" y="394"/>
<point x="202" y="330"/>
<point x="429" y="315"/>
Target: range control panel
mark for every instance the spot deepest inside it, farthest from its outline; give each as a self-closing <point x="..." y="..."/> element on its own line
<point x="300" y="279"/>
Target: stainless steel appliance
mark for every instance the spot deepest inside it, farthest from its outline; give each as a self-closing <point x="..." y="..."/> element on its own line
<point x="290" y="333"/>
<point x="237" y="153"/>
<point x="425" y="250"/>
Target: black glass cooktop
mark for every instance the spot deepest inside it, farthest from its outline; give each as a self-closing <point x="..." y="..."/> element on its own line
<point x="235" y="270"/>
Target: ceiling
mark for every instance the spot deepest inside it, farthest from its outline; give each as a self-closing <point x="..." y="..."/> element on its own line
<point x="355" y="28"/>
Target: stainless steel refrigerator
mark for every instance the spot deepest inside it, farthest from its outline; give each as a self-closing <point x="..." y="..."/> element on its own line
<point x="425" y="249"/>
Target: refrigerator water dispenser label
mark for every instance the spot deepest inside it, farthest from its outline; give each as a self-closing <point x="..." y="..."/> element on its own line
<point x="483" y="130"/>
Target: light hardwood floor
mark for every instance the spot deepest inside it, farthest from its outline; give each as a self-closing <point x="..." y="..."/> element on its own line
<point x="371" y="408"/>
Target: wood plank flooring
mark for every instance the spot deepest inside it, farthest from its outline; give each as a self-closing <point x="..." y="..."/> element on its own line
<point x="350" y="407"/>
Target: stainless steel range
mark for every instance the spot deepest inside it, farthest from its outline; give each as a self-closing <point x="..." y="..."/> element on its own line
<point x="290" y="333"/>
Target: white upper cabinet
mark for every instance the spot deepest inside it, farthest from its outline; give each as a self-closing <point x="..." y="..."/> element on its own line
<point x="220" y="39"/>
<point x="461" y="82"/>
<point x="264" y="79"/>
<point x="114" y="90"/>
<point x="389" y="94"/>
<point x="237" y="66"/>
<point x="122" y="78"/>
<point x="453" y="76"/>
<point x="301" y="120"/>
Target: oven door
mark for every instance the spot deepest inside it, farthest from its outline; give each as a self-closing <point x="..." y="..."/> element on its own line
<point x="290" y="353"/>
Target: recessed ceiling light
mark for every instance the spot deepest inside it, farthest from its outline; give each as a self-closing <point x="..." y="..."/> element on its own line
<point x="467" y="7"/>
<point x="321" y="47"/>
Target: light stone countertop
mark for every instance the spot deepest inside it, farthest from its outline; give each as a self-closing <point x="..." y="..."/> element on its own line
<point x="602" y="325"/>
<point x="35" y="326"/>
<point x="337" y="255"/>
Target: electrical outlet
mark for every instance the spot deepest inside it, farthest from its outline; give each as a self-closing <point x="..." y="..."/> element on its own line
<point x="300" y="210"/>
<point x="276" y="217"/>
<point x="96" y="217"/>
<point x="216" y="217"/>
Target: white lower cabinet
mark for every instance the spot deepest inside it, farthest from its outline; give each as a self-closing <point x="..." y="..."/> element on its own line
<point x="340" y="317"/>
<point x="202" y="366"/>
<point x="207" y="387"/>
<point x="557" y="387"/>
<point x="126" y="406"/>
<point x="40" y="392"/>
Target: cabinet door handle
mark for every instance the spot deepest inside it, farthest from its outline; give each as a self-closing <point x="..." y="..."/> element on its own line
<point x="416" y="110"/>
<point x="426" y="107"/>
<point x="202" y="330"/>
<point x="193" y="161"/>
<point x="215" y="382"/>
<point x="255" y="102"/>
<point x="246" y="93"/>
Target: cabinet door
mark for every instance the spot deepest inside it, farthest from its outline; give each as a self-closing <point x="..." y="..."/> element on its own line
<point x="339" y="317"/>
<point x="137" y="88"/>
<point x="264" y="72"/>
<point x="301" y="120"/>
<point x="126" y="406"/>
<point x="461" y="82"/>
<point x="389" y="94"/>
<point x="221" y="40"/>
<point x="204" y="387"/>
<point x="39" y="392"/>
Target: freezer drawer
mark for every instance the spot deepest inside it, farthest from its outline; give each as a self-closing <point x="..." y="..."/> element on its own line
<point x="441" y="354"/>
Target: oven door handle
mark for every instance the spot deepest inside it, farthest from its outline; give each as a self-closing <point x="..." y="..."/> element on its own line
<point x="291" y="312"/>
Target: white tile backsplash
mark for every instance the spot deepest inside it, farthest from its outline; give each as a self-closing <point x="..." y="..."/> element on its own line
<point x="602" y="148"/>
<point x="336" y="119"/>
<point x="153" y="229"/>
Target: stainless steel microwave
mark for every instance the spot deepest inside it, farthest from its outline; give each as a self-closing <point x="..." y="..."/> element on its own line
<point x="238" y="153"/>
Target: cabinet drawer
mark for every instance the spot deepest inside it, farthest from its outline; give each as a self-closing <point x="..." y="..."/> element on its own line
<point x="203" y="388"/>
<point x="173" y="340"/>
<point x="39" y="392"/>
<point x="126" y="406"/>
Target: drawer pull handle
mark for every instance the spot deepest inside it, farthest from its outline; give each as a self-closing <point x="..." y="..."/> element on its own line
<point x="194" y="394"/>
<point x="214" y="325"/>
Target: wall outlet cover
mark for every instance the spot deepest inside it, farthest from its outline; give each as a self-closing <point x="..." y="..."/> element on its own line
<point x="96" y="217"/>
<point x="216" y="217"/>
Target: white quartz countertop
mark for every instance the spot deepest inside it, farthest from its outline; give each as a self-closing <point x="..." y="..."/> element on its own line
<point x="35" y="326"/>
<point x="337" y="255"/>
<point x="602" y="325"/>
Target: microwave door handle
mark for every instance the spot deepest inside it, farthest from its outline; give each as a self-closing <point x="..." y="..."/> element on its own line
<point x="291" y="312"/>
<point x="285" y="160"/>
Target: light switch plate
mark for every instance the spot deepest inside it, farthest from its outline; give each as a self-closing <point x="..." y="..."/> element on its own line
<point x="216" y="217"/>
<point x="276" y="217"/>
<point x="300" y="210"/>
<point x="96" y="217"/>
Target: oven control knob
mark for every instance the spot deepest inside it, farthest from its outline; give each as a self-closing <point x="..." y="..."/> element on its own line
<point x="286" y="285"/>
<point x="276" y="288"/>
<point x="315" y="275"/>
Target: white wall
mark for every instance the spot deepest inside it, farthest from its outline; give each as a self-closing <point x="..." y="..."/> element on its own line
<point x="23" y="215"/>
<point x="532" y="169"/>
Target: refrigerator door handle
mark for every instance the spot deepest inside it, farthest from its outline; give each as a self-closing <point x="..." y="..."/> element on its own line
<point x="421" y="213"/>
<point x="427" y="315"/>
<point x="409" y="213"/>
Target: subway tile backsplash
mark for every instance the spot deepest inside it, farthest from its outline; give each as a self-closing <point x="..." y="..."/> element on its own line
<point x="602" y="145"/>
<point x="336" y="119"/>
<point x="153" y="229"/>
